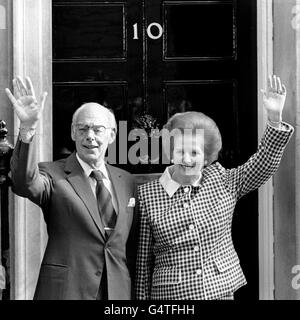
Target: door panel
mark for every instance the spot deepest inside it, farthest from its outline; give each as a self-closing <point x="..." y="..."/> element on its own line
<point x="204" y="60"/>
<point x="73" y="31"/>
<point x="192" y="29"/>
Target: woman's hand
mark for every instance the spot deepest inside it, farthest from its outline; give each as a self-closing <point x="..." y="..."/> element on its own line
<point x="274" y="99"/>
<point x="25" y="103"/>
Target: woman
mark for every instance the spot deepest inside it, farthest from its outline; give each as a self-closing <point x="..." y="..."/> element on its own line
<point x="185" y="245"/>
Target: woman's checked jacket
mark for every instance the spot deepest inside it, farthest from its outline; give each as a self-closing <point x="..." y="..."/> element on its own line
<point x="185" y="246"/>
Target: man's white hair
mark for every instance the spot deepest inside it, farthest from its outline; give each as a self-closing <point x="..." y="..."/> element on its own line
<point x="109" y="112"/>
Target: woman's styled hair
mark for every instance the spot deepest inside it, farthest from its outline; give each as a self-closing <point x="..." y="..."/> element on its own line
<point x="197" y="120"/>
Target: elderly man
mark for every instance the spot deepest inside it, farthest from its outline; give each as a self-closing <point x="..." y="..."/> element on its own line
<point x="88" y="205"/>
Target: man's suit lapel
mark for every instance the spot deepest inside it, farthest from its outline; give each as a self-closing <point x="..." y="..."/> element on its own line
<point x="80" y="184"/>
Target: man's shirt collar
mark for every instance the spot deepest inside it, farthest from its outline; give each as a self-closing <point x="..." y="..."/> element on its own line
<point x="88" y="169"/>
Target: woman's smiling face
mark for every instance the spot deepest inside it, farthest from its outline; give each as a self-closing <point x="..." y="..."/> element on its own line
<point x="188" y="156"/>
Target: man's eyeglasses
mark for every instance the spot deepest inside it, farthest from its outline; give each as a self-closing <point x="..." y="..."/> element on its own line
<point x="98" y="130"/>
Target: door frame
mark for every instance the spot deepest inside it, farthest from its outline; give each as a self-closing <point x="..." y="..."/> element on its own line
<point x="265" y="193"/>
<point x="27" y="59"/>
<point x="32" y="56"/>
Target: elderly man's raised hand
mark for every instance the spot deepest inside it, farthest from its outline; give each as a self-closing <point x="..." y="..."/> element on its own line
<point x="274" y="98"/>
<point x="25" y="104"/>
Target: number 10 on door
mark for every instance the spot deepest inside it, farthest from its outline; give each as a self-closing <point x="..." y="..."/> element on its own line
<point x="154" y="26"/>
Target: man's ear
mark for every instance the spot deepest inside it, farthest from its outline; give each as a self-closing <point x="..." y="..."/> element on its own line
<point x="73" y="133"/>
<point x="112" y="137"/>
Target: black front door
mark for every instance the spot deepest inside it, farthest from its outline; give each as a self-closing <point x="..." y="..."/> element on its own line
<point x="147" y="60"/>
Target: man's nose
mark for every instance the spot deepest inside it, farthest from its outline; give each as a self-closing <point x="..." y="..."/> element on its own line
<point x="90" y="135"/>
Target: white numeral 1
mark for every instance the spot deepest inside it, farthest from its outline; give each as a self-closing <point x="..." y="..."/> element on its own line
<point x="135" y="32"/>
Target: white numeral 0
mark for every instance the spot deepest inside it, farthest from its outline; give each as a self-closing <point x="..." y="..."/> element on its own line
<point x="149" y="32"/>
<point x="160" y="31"/>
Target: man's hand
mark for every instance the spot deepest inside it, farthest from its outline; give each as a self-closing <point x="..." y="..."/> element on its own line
<point x="274" y="98"/>
<point x="25" y="103"/>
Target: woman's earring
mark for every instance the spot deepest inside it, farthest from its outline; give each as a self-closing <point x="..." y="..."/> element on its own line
<point x="172" y="161"/>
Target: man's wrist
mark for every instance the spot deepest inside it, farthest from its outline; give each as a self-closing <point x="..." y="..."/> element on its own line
<point x="28" y="125"/>
<point x="27" y="133"/>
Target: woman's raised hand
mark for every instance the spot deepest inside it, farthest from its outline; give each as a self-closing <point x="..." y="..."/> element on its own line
<point x="274" y="98"/>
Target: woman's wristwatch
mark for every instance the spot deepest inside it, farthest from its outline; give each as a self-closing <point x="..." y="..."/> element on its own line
<point x="275" y="124"/>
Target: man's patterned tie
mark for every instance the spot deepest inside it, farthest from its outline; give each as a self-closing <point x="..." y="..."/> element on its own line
<point x="104" y="201"/>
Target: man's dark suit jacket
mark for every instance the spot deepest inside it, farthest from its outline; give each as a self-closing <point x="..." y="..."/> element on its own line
<point x="77" y="250"/>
